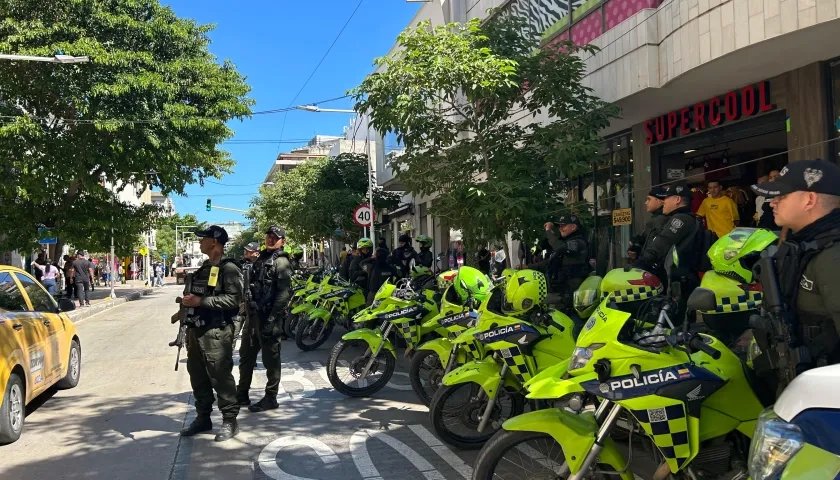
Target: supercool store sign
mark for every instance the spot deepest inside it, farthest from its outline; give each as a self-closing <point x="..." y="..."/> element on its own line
<point x="748" y="101"/>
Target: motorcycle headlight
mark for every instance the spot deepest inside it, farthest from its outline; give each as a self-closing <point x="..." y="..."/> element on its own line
<point x="775" y="442"/>
<point x="582" y="355"/>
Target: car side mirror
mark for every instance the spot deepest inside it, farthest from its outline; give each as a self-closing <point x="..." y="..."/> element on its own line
<point x="702" y="299"/>
<point x="66" y="305"/>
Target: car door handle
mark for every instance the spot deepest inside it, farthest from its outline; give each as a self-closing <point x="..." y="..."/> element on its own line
<point x="46" y="323"/>
<point x="17" y="326"/>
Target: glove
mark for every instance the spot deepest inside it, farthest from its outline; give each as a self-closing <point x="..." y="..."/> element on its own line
<point x="267" y="328"/>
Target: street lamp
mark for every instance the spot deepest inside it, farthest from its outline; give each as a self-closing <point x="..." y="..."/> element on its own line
<point x="316" y="109"/>
<point x="58" y="58"/>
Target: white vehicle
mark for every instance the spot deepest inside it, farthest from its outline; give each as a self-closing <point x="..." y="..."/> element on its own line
<point x="799" y="436"/>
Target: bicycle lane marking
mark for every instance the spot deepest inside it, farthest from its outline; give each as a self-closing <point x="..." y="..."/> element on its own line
<point x="442" y="451"/>
<point x="268" y="456"/>
<point x="361" y="457"/>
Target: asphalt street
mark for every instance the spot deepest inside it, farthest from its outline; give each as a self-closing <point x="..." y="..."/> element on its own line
<point x="122" y="421"/>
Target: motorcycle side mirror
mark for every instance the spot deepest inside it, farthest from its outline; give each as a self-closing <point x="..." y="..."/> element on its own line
<point x="702" y="299"/>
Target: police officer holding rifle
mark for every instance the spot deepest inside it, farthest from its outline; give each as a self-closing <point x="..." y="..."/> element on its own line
<point x="800" y="325"/>
<point x="214" y="296"/>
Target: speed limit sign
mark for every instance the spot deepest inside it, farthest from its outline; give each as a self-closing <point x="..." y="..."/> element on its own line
<point x="362" y="216"/>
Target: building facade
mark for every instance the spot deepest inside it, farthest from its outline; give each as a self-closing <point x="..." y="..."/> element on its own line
<point x="723" y="90"/>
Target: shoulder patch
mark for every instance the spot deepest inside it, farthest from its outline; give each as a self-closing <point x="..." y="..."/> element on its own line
<point x="676" y="224"/>
<point x="806" y="283"/>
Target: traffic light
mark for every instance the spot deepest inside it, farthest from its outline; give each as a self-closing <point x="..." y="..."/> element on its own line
<point x="208" y="204"/>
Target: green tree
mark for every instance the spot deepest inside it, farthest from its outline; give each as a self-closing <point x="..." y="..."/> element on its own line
<point x="165" y="233"/>
<point x="318" y="197"/>
<point x="235" y="248"/>
<point x="462" y="98"/>
<point x="150" y="109"/>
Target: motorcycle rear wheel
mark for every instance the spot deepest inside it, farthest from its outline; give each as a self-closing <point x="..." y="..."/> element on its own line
<point x="384" y="359"/>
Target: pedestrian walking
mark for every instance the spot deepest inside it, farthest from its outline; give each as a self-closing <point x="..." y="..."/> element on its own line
<point x="215" y="295"/>
<point x="68" y="277"/>
<point x="81" y="275"/>
<point x="49" y="275"/>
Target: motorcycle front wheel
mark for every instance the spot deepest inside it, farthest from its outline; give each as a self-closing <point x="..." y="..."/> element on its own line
<point x="310" y="335"/>
<point x="517" y="455"/>
<point x="456" y="412"/>
<point x="291" y="324"/>
<point x="425" y="372"/>
<point x="348" y="359"/>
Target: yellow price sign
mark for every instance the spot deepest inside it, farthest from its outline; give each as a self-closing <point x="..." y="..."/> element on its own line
<point x="622" y="216"/>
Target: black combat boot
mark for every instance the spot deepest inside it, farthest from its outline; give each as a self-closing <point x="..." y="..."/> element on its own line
<point x="242" y="399"/>
<point x="265" y="403"/>
<point x="199" y="425"/>
<point x="229" y="430"/>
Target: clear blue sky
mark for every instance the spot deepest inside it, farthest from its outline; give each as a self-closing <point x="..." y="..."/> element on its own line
<point x="276" y="44"/>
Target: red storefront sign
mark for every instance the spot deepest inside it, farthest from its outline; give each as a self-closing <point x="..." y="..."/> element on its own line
<point x="747" y="101"/>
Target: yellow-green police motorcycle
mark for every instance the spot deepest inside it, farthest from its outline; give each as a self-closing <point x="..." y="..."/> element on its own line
<point x="463" y="291"/>
<point x="364" y="360"/>
<point x="524" y="336"/>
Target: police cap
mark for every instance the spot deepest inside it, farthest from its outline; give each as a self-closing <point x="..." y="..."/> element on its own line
<point x="215" y="232"/>
<point x="817" y="176"/>
<point x="568" y="220"/>
<point x="253" y="247"/>
<point x="680" y="190"/>
<point x="277" y="231"/>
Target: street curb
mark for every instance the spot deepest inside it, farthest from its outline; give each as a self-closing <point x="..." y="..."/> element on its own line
<point x="82" y="313"/>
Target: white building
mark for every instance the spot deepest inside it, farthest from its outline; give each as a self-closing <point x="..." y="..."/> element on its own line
<point x="320" y="146"/>
<point x="720" y="90"/>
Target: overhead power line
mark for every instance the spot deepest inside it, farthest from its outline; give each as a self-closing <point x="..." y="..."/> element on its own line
<point x="329" y="49"/>
<point x="83" y="121"/>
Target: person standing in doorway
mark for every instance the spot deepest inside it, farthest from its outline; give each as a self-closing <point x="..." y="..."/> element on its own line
<point x="720" y="211"/>
<point x="81" y="275"/>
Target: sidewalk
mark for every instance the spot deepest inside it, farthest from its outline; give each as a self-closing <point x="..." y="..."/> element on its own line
<point x="100" y="299"/>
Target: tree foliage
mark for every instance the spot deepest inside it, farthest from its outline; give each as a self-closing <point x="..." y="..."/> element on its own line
<point x="318" y="197"/>
<point x="165" y="233"/>
<point x="462" y="99"/>
<point x="235" y="248"/>
<point x="149" y="109"/>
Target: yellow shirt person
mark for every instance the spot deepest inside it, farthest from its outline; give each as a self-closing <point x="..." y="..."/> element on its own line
<point x="720" y="211"/>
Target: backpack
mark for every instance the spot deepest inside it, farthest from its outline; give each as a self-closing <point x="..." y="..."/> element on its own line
<point x="703" y="239"/>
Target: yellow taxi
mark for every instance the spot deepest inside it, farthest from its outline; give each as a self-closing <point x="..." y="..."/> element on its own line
<point x="39" y="347"/>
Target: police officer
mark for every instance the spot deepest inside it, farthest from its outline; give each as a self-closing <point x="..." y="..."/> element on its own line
<point x="568" y="265"/>
<point x="358" y="273"/>
<point x="425" y="257"/>
<point x="401" y="256"/>
<point x="805" y="199"/>
<point x="679" y="231"/>
<point x="272" y="292"/>
<point x="215" y="296"/>
<point x="653" y="205"/>
<point x="344" y="270"/>
<point x="297" y="259"/>
<point x="249" y="347"/>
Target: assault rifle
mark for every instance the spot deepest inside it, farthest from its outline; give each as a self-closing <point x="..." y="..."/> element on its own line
<point x="777" y="339"/>
<point x="181" y="316"/>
